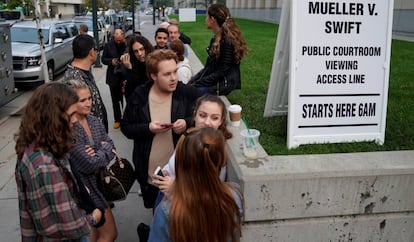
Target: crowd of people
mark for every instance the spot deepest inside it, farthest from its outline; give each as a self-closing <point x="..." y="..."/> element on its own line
<point x="176" y="120"/>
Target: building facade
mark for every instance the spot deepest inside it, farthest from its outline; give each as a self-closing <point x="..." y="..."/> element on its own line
<point x="269" y="11"/>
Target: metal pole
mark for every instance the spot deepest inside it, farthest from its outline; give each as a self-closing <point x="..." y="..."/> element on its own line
<point x="38" y="16"/>
<point x="139" y="20"/>
<point x="154" y="6"/>
<point x="95" y="32"/>
<point x="133" y="15"/>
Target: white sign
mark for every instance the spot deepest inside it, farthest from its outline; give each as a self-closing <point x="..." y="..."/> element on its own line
<point x="187" y="14"/>
<point x="339" y="69"/>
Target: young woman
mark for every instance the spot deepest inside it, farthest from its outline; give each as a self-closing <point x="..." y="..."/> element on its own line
<point x="90" y="155"/>
<point x="221" y="73"/>
<point x="46" y="186"/>
<point x="183" y="66"/>
<point x="133" y="62"/>
<point x="201" y="206"/>
<point x="209" y="111"/>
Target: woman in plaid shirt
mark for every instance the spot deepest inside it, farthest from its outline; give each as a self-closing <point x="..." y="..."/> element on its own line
<point x="47" y="190"/>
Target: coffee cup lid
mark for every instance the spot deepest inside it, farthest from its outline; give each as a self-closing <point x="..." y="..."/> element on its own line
<point x="235" y="108"/>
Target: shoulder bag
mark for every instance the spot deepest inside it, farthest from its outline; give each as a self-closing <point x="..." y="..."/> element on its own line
<point x="118" y="179"/>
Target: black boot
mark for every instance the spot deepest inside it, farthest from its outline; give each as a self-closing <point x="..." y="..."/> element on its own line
<point x="143" y="232"/>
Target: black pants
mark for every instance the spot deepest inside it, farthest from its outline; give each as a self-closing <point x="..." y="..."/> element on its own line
<point x="149" y="194"/>
<point x="117" y="101"/>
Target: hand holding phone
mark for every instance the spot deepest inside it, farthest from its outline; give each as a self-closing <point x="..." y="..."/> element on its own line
<point x="166" y="125"/>
<point x="158" y="172"/>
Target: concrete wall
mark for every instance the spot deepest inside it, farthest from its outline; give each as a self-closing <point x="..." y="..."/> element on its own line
<point x="332" y="197"/>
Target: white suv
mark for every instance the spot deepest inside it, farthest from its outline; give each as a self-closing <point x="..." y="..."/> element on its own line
<point x="102" y="35"/>
<point x="57" y="38"/>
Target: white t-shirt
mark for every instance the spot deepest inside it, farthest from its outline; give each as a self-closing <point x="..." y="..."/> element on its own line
<point x="184" y="70"/>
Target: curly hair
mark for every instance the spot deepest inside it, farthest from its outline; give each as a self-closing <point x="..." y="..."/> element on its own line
<point x="144" y="42"/>
<point x="45" y="123"/>
<point x="155" y="57"/>
<point x="229" y="32"/>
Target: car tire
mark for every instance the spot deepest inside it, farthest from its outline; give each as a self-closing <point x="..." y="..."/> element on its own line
<point x="51" y="71"/>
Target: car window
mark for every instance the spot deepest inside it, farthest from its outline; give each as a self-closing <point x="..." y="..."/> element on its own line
<point x="28" y="35"/>
<point x="11" y="14"/>
<point x="61" y="32"/>
<point x="73" y="29"/>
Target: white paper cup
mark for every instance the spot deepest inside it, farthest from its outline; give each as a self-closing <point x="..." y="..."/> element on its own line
<point x="235" y="114"/>
<point x="250" y="139"/>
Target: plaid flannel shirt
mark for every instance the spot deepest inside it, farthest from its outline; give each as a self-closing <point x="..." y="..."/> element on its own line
<point x="46" y="207"/>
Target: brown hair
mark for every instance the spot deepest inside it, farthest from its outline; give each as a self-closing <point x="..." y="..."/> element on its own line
<point x="45" y="123"/>
<point x="178" y="47"/>
<point x="83" y="28"/>
<point x="229" y="31"/>
<point x="156" y="57"/>
<point x="202" y="208"/>
<point x="215" y="99"/>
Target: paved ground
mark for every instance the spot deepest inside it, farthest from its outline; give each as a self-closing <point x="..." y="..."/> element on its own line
<point x="128" y="213"/>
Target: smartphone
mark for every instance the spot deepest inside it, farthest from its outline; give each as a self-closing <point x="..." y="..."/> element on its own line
<point x="167" y="125"/>
<point x="158" y="171"/>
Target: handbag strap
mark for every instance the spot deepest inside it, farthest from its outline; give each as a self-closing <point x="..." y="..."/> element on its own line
<point x="118" y="159"/>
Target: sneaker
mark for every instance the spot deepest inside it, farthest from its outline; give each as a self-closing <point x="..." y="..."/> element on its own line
<point x="143" y="232"/>
<point x="116" y="125"/>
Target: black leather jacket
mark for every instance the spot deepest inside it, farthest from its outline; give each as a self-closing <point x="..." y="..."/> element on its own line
<point x="220" y="75"/>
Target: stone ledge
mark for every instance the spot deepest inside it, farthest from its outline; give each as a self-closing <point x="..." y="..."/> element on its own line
<point x="331" y="197"/>
<point x="378" y="227"/>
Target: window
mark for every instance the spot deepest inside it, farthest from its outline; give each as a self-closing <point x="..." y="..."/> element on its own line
<point x="61" y="32"/>
<point x="28" y="35"/>
<point x="73" y="29"/>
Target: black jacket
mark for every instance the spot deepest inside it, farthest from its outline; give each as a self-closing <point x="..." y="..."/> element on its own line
<point x="136" y="119"/>
<point x="135" y="77"/>
<point x="111" y="51"/>
<point x="220" y="75"/>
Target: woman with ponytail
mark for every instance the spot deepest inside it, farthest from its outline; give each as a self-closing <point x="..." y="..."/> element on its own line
<point x="221" y="73"/>
<point x="201" y="207"/>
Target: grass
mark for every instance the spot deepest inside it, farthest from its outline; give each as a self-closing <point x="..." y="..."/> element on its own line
<point x="256" y="68"/>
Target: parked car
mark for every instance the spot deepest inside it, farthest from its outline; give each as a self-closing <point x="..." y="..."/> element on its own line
<point x="58" y="36"/>
<point x="103" y="37"/>
<point x="11" y="16"/>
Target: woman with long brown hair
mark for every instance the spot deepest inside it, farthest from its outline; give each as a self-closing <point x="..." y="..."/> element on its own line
<point x="201" y="206"/>
<point x="47" y="189"/>
<point x="134" y="69"/>
<point x="221" y="73"/>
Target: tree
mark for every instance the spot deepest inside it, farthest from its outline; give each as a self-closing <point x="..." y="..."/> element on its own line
<point x="12" y="4"/>
<point x="100" y="4"/>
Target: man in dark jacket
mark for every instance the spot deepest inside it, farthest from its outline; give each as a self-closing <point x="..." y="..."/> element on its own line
<point x="110" y="57"/>
<point x="157" y="113"/>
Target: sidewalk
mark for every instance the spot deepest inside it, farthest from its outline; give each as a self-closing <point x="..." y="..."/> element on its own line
<point x="128" y="214"/>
